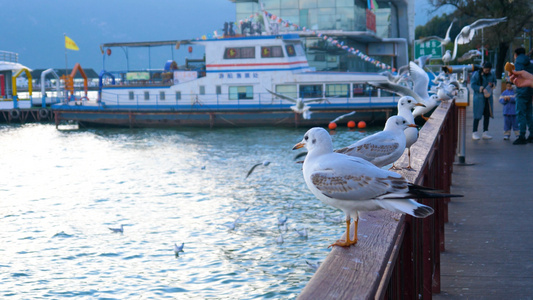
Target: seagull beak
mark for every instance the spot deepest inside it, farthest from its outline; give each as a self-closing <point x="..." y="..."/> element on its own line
<point x="412" y="125"/>
<point x="420" y="104"/>
<point x="298" y="146"/>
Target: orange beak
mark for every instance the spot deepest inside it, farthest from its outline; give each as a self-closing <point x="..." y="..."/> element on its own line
<point x="412" y="125"/>
<point x="420" y="104"/>
<point x="298" y="146"/>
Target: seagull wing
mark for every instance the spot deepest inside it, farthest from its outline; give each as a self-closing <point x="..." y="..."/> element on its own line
<point x="447" y="37"/>
<point x="281" y="96"/>
<point x="342" y="117"/>
<point x="482" y="23"/>
<point x="429" y="38"/>
<point x="420" y="80"/>
<point x="351" y="178"/>
<point x="314" y="100"/>
<point x="379" y="148"/>
<point x="252" y="169"/>
<point x="397" y="89"/>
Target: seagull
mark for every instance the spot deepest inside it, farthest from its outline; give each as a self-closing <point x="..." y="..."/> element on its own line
<point x="381" y="148"/>
<point x="303" y="232"/>
<point x="178" y="249"/>
<point x="117" y="230"/>
<point x="300" y="106"/>
<point x="337" y="119"/>
<point x="468" y="32"/>
<point x="282" y="220"/>
<point x="279" y="240"/>
<point x="447" y="57"/>
<point x="353" y="184"/>
<point x="233" y="224"/>
<point x="420" y="90"/>
<point x="423" y="60"/>
<point x="405" y="106"/>
<point x="469" y="55"/>
<point x="265" y="163"/>
<point x="443" y="41"/>
<point x="313" y="266"/>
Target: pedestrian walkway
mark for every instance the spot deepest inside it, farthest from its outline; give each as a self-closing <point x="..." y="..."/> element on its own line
<point x="489" y="237"/>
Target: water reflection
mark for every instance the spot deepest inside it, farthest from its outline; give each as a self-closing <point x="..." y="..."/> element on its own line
<point x="60" y="191"/>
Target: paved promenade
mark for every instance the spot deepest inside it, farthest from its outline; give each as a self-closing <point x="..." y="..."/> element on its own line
<point x="489" y="237"/>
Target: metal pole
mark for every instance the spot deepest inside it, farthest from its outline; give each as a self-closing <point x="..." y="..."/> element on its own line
<point x="461" y="111"/>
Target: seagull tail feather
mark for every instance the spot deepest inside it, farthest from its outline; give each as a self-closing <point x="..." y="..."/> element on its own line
<point x="418" y="191"/>
<point x="408" y="206"/>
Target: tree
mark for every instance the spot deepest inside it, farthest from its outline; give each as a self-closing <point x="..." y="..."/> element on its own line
<point x="519" y="15"/>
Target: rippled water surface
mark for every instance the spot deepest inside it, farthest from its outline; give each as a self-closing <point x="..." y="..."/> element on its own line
<point x="61" y="190"/>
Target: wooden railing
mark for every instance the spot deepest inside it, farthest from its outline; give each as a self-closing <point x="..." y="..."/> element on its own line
<point x="397" y="256"/>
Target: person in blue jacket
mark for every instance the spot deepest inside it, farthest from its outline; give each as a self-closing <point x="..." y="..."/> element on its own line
<point x="524" y="96"/>
<point x="507" y="98"/>
<point x="482" y="83"/>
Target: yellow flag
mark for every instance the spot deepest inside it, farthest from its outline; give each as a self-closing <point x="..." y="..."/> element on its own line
<point x="69" y="44"/>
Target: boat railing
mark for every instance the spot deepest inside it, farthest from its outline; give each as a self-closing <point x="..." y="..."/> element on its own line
<point x="9" y="56"/>
<point x="161" y="100"/>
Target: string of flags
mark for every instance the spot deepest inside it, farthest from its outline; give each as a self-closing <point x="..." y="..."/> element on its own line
<point x="288" y="23"/>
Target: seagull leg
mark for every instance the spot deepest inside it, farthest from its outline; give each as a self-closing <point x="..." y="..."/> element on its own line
<point x="409" y="158"/>
<point x="347" y="242"/>
<point x="424" y="117"/>
<point x="394" y="167"/>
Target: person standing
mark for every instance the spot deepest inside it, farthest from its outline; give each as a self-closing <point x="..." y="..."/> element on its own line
<point x="507" y="98"/>
<point x="482" y="83"/>
<point x="524" y="110"/>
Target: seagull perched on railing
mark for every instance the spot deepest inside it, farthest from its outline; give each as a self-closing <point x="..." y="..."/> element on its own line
<point x="406" y="104"/>
<point x="353" y="184"/>
<point x="300" y="106"/>
<point x="384" y="147"/>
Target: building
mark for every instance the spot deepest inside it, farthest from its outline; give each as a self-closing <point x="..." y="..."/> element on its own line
<point x="382" y="32"/>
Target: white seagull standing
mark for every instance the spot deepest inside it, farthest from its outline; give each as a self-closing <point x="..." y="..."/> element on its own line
<point x="447" y="57"/>
<point x="384" y="147"/>
<point x="405" y="106"/>
<point x="300" y="106"/>
<point x="353" y="184"/>
<point x="443" y="41"/>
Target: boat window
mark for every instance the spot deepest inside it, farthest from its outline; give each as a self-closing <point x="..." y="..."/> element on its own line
<point x="241" y="92"/>
<point x="289" y="90"/>
<point x="337" y="90"/>
<point x="290" y="50"/>
<point x="161" y="95"/>
<point x="219" y="90"/>
<point x="131" y="96"/>
<point x="146" y="95"/>
<point x="202" y="90"/>
<point x="363" y="90"/>
<point x="273" y="51"/>
<point x="311" y="91"/>
<point x="178" y="95"/>
<point x="239" y="52"/>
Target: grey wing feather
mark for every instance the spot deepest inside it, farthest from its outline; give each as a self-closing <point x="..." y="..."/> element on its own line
<point x="397" y="89"/>
<point x="481" y="23"/>
<point x="252" y="169"/>
<point x="281" y="96"/>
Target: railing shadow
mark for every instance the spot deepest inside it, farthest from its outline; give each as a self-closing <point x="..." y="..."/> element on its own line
<point x="397" y="256"/>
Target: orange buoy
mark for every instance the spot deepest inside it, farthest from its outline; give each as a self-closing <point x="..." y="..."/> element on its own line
<point x="361" y="124"/>
<point x="332" y="126"/>
<point x="351" y="124"/>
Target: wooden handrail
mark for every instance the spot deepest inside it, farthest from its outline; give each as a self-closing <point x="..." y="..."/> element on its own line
<point x="397" y="256"/>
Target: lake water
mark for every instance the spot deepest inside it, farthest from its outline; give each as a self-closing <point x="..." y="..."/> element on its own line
<point x="61" y="190"/>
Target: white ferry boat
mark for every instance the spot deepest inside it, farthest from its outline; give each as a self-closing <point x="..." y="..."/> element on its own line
<point x="242" y="81"/>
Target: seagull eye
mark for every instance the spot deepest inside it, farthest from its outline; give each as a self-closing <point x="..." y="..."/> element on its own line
<point x="306" y="138"/>
<point x="408" y="101"/>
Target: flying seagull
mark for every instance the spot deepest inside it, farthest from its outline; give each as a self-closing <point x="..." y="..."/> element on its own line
<point x="443" y="41"/>
<point x="468" y="32"/>
<point x="337" y="119"/>
<point x="265" y="163"/>
<point x="469" y="55"/>
<point x="300" y="104"/>
<point x="353" y="184"/>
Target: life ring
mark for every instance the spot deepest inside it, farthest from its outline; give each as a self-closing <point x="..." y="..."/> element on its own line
<point x="43" y="113"/>
<point x="15" y="114"/>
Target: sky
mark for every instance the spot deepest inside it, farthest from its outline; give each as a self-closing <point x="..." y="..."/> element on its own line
<point x="35" y="29"/>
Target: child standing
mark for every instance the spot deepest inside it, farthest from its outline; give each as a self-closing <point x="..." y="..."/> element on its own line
<point x="507" y="98"/>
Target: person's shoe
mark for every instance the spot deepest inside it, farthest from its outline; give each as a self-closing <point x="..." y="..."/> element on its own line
<point x="475" y="136"/>
<point x="517" y="133"/>
<point x="506" y="137"/>
<point x="520" y="141"/>
<point x="530" y="138"/>
<point x="486" y="135"/>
